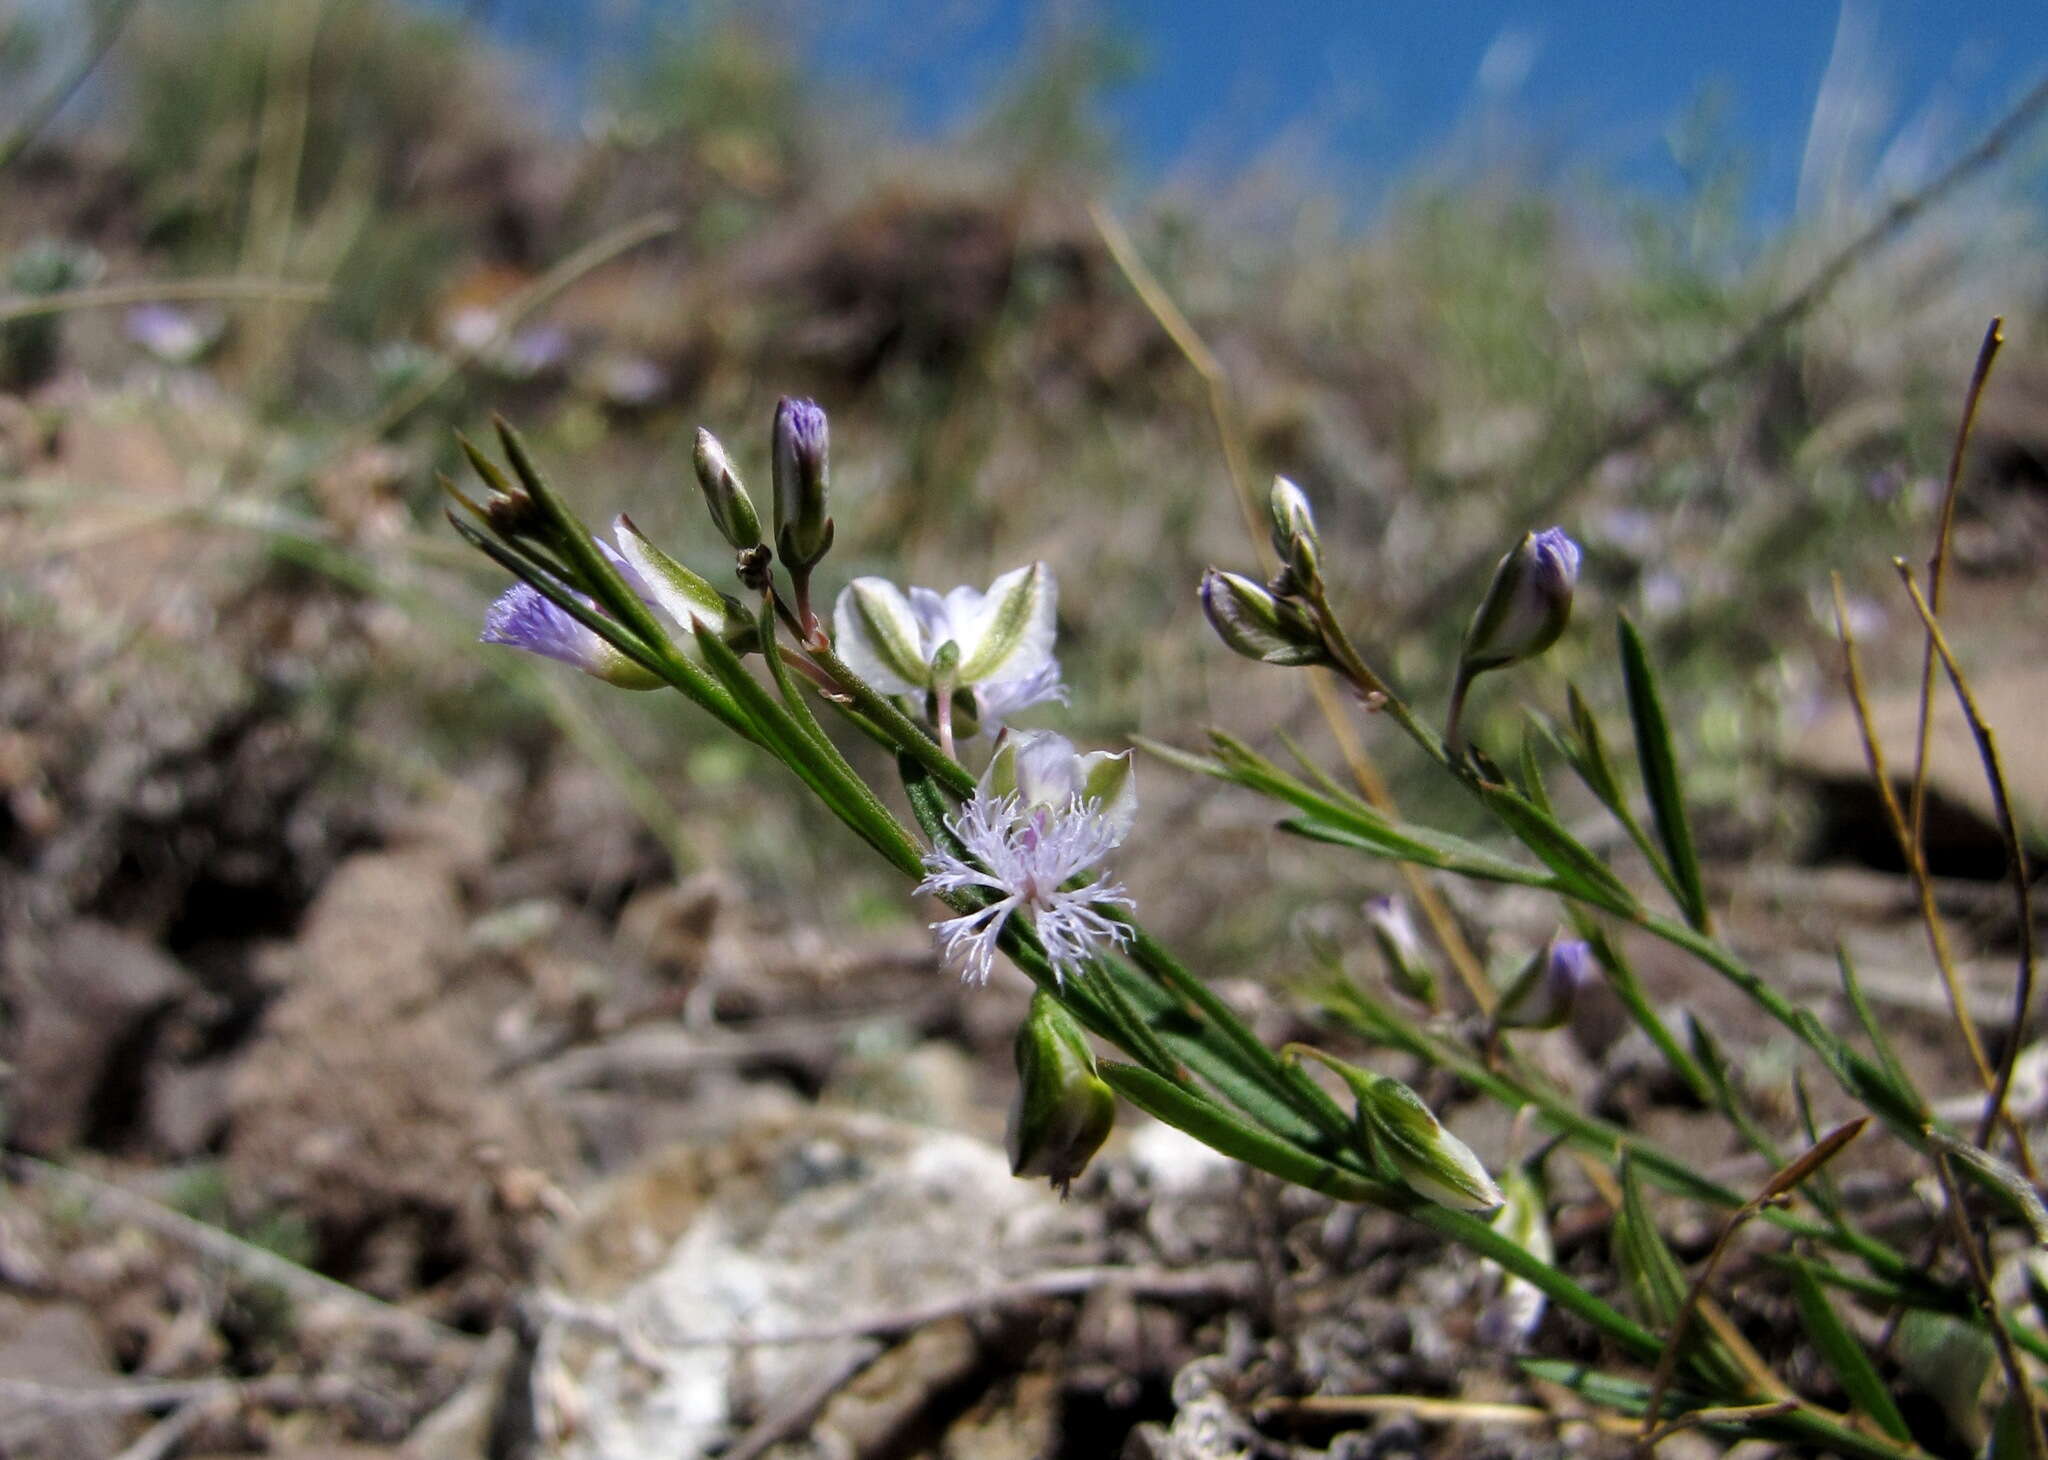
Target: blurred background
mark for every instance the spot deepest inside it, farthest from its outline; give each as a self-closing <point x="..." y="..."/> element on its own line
<point x="366" y="947"/>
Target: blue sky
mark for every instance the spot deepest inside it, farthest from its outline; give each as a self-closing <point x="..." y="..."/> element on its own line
<point x="1375" y="88"/>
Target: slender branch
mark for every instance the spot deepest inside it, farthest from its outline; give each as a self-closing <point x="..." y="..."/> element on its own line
<point x="1780" y="1185"/>
<point x="161" y="291"/>
<point x="2019" y="1390"/>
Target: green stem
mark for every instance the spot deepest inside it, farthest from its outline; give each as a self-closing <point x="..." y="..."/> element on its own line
<point x="910" y="736"/>
<point x="1290" y="1083"/>
<point x="1351" y="664"/>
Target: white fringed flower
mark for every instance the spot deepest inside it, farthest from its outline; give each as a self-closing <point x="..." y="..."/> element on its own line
<point x="1041" y="817"/>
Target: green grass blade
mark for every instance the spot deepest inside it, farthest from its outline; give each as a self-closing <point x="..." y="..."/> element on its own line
<point x="1660" y="774"/>
<point x="1582" y="874"/>
<point x="1843" y="1355"/>
<point x="1635" y="999"/>
<point x="1873" y="1027"/>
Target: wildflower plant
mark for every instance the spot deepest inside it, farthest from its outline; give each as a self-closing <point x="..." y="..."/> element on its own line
<point x="1015" y="834"/>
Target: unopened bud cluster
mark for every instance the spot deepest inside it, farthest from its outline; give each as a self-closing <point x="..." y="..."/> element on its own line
<point x="1288" y="620"/>
<point x="1274" y="622"/>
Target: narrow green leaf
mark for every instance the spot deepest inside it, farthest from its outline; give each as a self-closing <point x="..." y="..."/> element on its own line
<point x="1236" y="1042"/>
<point x="1873" y="1029"/>
<point x="1583" y="875"/>
<point x="1865" y="1079"/>
<point x="849" y="800"/>
<point x="1660" y="773"/>
<point x="1843" y="1355"/>
<point x="1659" y="1286"/>
<point x="1653" y="1275"/>
<point x="1609" y="1391"/>
<point x="1635" y="999"/>
<point x="1592" y="761"/>
<point x="1446" y="853"/>
<point x="1217" y="1128"/>
<point x="1728" y="1096"/>
<point x="1586" y="750"/>
<point x="1532" y="772"/>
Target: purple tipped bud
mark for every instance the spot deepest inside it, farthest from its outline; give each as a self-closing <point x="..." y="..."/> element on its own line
<point x="1526" y="606"/>
<point x="1408" y="962"/>
<point x="1544" y="993"/>
<point x="1063" y="1110"/>
<point x="730" y="506"/>
<point x="1254" y="623"/>
<point x="803" y="531"/>
<point x="525" y="618"/>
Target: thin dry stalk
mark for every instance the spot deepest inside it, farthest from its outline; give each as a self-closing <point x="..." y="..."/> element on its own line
<point x="1441" y="1411"/>
<point x="1937" y="562"/>
<point x="2019" y="1390"/>
<point x="281" y="128"/>
<point x="1236" y="461"/>
<point x="1786" y="1180"/>
<point x="2015" y="858"/>
<point x="1909" y="848"/>
<point x="1734" y="1414"/>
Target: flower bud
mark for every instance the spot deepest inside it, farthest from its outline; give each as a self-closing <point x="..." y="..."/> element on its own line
<point x="803" y="531"/>
<point x="1543" y="993"/>
<point x="732" y="510"/>
<point x="1429" y="1159"/>
<point x="1294" y="532"/>
<point x="1402" y="1133"/>
<point x="1409" y="968"/>
<point x="1256" y="624"/>
<point x="1526" y="606"/>
<point x="1517" y="1308"/>
<point x="1063" y="1110"/>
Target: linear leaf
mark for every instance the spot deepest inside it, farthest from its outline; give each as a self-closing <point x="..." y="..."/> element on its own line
<point x="1583" y="874"/>
<point x="1446" y="853"/>
<point x="1660" y="773"/>
<point x="1873" y="1027"/>
<point x="1217" y="1128"/>
<point x="1843" y="1355"/>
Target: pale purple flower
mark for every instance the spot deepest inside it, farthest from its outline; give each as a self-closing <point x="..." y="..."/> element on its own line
<point x="1543" y="995"/>
<point x="524" y="618"/>
<point x="174" y="336"/>
<point x="1032" y="827"/>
